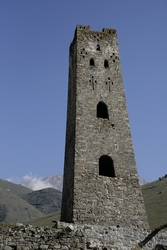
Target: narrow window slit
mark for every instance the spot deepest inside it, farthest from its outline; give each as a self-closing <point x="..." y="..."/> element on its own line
<point x="105" y="63"/>
<point x="109" y="87"/>
<point x="92" y="63"/>
<point x="97" y="47"/>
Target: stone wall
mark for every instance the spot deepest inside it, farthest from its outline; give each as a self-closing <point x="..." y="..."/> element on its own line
<point x="70" y="236"/>
<point x="90" y="196"/>
<point x="68" y="178"/>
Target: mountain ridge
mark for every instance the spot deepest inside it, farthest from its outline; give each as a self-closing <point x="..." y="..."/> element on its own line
<point x="13" y="208"/>
<point x="16" y="202"/>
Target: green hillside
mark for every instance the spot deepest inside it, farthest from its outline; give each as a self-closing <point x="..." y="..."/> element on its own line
<point x="20" y="204"/>
<point x="14" y="188"/>
<point x="46" y="200"/>
<point x="155" y="199"/>
<point x="46" y="220"/>
<point x="14" y="209"/>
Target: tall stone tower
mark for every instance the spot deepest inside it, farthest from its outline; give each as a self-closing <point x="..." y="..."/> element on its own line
<point x="100" y="177"/>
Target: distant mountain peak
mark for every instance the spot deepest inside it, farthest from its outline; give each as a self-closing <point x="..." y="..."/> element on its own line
<point x="55" y="180"/>
<point x="37" y="183"/>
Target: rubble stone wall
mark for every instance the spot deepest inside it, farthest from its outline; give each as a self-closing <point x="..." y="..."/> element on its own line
<point x="71" y="236"/>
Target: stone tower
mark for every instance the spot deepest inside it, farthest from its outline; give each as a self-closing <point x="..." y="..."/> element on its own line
<point x="100" y="176"/>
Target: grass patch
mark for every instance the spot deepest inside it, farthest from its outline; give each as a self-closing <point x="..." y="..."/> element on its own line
<point x="45" y="221"/>
<point x="155" y="199"/>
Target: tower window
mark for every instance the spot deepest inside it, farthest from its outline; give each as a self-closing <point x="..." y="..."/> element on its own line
<point x="102" y="110"/>
<point x="106" y="166"/>
<point x="106" y="63"/>
<point x="97" y="47"/>
<point x="92" y="63"/>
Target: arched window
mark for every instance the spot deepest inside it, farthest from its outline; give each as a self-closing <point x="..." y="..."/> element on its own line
<point x="92" y="63"/>
<point x="106" y="166"/>
<point x="106" y="63"/>
<point x="102" y="110"/>
<point x="97" y="47"/>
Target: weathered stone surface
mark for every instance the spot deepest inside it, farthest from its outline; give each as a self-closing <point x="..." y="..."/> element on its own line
<point x="43" y="247"/>
<point x="90" y="237"/>
<point x="70" y="228"/>
<point x="98" y="131"/>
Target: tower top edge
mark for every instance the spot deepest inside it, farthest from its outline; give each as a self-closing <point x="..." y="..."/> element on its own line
<point x="104" y="30"/>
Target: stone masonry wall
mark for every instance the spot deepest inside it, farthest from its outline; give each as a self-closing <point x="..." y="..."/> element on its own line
<point x="71" y="236"/>
<point x="89" y="197"/>
<point x="69" y="161"/>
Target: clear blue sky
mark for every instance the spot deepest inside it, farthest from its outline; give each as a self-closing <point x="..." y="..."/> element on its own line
<point x="35" y="37"/>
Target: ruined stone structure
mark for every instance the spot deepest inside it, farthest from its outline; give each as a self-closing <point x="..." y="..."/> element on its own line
<point x="76" y="237"/>
<point x="100" y="178"/>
